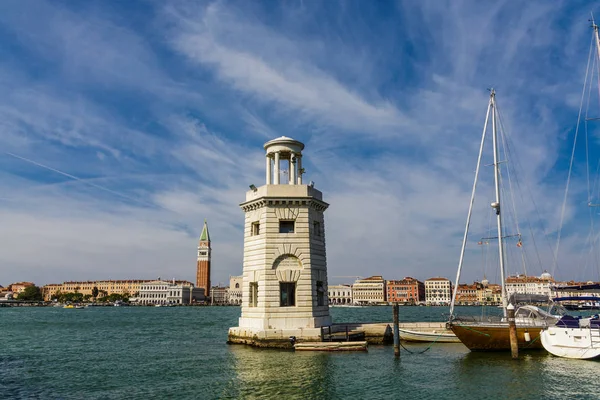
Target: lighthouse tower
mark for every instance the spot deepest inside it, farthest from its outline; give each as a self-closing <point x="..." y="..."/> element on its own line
<point x="285" y="268"/>
<point x="203" y="264"/>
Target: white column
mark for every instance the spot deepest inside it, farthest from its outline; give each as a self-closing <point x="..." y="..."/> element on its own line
<point x="299" y="164"/>
<point x="292" y="170"/>
<point x="276" y="170"/>
<point x="268" y="169"/>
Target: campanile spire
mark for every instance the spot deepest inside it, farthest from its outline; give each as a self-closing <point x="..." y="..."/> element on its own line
<point x="203" y="264"/>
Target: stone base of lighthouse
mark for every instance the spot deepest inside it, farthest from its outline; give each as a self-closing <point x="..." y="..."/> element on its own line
<point x="276" y="332"/>
<point x="273" y="338"/>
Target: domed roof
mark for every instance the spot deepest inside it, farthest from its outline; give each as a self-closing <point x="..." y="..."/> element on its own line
<point x="285" y="141"/>
<point x="546" y="275"/>
<point x="485" y="282"/>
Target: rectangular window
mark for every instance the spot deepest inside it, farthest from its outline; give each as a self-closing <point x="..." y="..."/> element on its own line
<point x="320" y="294"/>
<point x="317" y="228"/>
<point x="255" y="228"/>
<point x="287" y="294"/>
<point x="253" y="294"/>
<point x="286" y="226"/>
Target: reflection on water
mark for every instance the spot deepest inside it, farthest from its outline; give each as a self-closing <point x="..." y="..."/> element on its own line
<point x="263" y="373"/>
<point x="141" y="353"/>
<point x="535" y="375"/>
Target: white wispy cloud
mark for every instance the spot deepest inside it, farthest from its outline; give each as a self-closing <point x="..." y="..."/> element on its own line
<point x="229" y="46"/>
<point x="174" y="111"/>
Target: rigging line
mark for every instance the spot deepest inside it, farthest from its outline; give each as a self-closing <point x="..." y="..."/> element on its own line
<point x="508" y="144"/>
<point x="590" y="254"/>
<point x="592" y="239"/>
<point x="472" y="201"/>
<point x="507" y="151"/>
<point x="487" y="247"/>
<point x="596" y="180"/>
<point x="518" y="165"/>
<point x="597" y="64"/>
<point x="537" y="211"/>
<point x="86" y="182"/>
<point x="592" y="210"/>
<point x="564" y="205"/>
<point x="585" y="125"/>
<point x="535" y="247"/>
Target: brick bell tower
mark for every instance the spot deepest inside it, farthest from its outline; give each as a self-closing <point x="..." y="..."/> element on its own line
<point x="203" y="265"/>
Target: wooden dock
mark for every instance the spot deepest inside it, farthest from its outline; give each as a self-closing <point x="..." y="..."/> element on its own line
<point x="381" y="333"/>
<point x="331" y="346"/>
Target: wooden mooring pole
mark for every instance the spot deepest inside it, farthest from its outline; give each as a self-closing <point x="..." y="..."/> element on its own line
<point x="512" y="330"/>
<point x="395" y="309"/>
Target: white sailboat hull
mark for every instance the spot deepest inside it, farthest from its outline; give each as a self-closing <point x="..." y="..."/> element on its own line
<point x="577" y="343"/>
<point x="432" y="336"/>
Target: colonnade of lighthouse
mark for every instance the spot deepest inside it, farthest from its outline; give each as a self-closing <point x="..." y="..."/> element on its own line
<point x="294" y="161"/>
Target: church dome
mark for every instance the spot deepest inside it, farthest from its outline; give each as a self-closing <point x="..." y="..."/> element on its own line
<point x="546" y="275"/>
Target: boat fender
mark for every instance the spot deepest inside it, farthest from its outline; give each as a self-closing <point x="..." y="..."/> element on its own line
<point x="527" y="336"/>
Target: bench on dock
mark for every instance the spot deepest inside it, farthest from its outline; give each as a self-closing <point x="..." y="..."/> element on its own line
<point x="347" y="335"/>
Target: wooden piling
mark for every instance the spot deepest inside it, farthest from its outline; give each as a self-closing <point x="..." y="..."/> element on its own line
<point x="512" y="329"/>
<point x="395" y="309"/>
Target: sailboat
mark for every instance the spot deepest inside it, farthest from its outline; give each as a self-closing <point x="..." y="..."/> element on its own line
<point x="492" y="333"/>
<point x="575" y="336"/>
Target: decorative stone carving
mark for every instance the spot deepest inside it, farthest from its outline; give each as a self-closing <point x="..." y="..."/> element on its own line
<point x="287" y="268"/>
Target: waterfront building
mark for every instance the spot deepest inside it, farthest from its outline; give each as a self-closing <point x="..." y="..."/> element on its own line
<point x="408" y="290"/>
<point x="369" y="290"/>
<point x="126" y="287"/>
<point x="5" y="293"/>
<point x="235" y="289"/>
<point x="573" y="293"/>
<point x="285" y="266"/>
<point x="169" y="292"/>
<point x="19" y="287"/>
<point x="219" y="295"/>
<point x="489" y="293"/>
<point x="438" y="291"/>
<point x="530" y="284"/>
<point x="203" y="262"/>
<point x="467" y="295"/>
<point x="339" y="294"/>
<point x="48" y="291"/>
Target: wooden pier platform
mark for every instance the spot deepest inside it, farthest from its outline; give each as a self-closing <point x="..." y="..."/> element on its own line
<point x="381" y="333"/>
<point x="331" y="346"/>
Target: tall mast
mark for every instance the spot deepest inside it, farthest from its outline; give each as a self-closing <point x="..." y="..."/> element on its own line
<point x="464" y="242"/>
<point x="496" y="204"/>
<point x="597" y="36"/>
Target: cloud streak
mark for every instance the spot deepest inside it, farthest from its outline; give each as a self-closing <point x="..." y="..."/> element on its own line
<point x="168" y="108"/>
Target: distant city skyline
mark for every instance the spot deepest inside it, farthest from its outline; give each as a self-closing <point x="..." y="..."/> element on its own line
<point x="125" y="124"/>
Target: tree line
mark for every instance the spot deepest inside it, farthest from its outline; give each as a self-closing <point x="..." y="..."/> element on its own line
<point x="34" y="293"/>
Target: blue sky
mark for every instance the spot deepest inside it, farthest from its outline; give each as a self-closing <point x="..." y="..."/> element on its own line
<point x="158" y="111"/>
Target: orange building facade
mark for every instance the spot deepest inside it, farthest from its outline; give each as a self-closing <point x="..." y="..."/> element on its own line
<point x="407" y="290"/>
<point x="468" y="294"/>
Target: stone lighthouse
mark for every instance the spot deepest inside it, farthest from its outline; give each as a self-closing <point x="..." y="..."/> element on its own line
<point x="285" y="266"/>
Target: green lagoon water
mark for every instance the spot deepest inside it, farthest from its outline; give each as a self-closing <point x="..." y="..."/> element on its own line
<point x="181" y="353"/>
